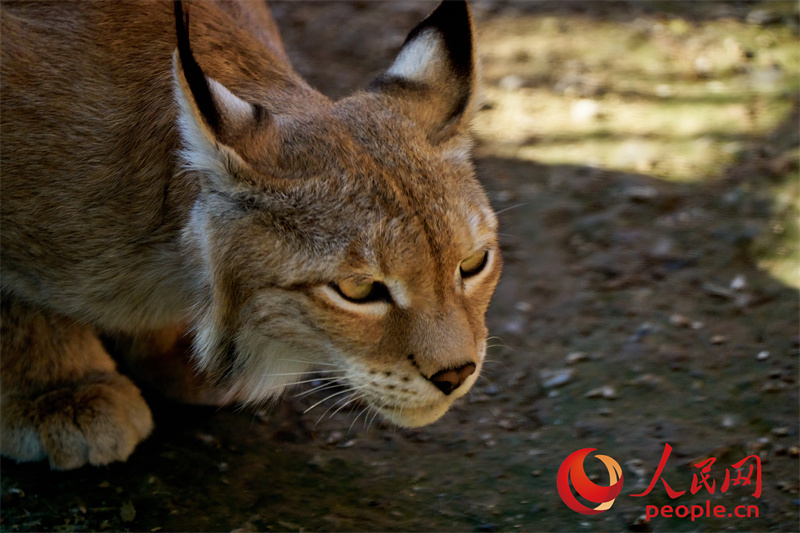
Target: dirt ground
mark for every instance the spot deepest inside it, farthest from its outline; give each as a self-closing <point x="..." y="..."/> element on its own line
<point x="635" y="310"/>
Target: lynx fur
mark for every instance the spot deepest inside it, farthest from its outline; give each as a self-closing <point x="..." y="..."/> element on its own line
<point x="170" y="185"/>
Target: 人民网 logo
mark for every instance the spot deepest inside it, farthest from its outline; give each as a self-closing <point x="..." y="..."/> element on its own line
<point x="571" y="470"/>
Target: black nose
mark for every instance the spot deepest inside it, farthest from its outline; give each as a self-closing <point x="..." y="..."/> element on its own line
<point x="449" y="380"/>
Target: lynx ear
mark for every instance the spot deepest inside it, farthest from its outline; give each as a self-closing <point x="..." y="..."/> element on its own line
<point x="208" y="113"/>
<point x="433" y="79"/>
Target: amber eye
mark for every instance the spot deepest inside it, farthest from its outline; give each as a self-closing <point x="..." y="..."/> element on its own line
<point x="473" y="264"/>
<point x="361" y="291"/>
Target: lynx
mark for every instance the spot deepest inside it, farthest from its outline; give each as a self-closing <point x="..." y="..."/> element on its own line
<point x="172" y="186"/>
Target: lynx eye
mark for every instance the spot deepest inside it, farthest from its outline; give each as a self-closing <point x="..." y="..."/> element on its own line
<point x="473" y="264"/>
<point x="361" y="291"/>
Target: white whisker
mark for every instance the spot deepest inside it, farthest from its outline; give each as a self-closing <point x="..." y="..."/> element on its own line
<point x="352" y="399"/>
<point x="350" y="429"/>
<point x="329" y="384"/>
<point x="510" y="208"/>
<point x="320" y="363"/>
<point x="332" y="396"/>
<point x="339" y="401"/>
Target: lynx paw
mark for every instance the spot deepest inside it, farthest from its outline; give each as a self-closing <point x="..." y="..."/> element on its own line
<point x="96" y="421"/>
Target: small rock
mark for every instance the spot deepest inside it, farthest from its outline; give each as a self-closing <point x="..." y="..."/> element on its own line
<point x="576" y="357"/>
<point x="523" y="307"/>
<point x="696" y="325"/>
<point x="556" y="377"/>
<point x="536" y="473"/>
<point x="781" y="431"/>
<point x="647" y="381"/>
<point x="664" y="248"/>
<point x="642" y="523"/>
<point x="335" y="437"/>
<point x="774" y="386"/>
<point x="508" y="425"/>
<point x="637" y="467"/>
<point x="730" y="421"/>
<point x="640" y="193"/>
<point x="679" y="321"/>
<point x="762" y="355"/>
<point x="718" y="339"/>
<point x="713" y="289"/>
<point x="606" y="392"/>
<point x="794" y="451"/>
<point x="738" y="283"/>
<point x="605" y="411"/>
<point x="514" y="327"/>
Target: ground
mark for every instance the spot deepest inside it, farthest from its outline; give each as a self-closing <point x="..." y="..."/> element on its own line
<point x="643" y="158"/>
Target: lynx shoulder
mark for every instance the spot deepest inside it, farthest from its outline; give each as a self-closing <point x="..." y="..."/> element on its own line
<point x="172" y="186"/>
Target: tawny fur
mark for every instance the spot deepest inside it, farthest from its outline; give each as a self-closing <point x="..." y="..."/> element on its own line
<point x="126" y="213"/>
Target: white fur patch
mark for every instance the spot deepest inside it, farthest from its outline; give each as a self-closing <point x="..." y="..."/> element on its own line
<point x="419" y="58"/>
<point x="201" y="151"/>
<point x="236" y="111"/>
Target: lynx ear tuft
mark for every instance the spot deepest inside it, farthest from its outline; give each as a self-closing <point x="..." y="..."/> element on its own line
<point x="208" y="112"/>
<point x="433" y="79"/>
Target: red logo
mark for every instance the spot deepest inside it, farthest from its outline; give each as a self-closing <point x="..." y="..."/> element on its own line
<point x="571" y="470"/>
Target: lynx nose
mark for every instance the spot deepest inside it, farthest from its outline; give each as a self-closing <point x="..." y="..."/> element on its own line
<point x="449" y="380"/>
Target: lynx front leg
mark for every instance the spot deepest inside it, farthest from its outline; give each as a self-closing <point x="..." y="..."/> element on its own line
<point x="62" y="398"/>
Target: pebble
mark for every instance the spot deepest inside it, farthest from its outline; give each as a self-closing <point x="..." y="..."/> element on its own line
<point x="523" y="307"/>
<point x="637" y="467"/>
<point x="335" y="437"/>
<point x="738" y="283"/>
<point x="647" y="381"/>
<point x="576" y="357"/>
<point x="640" y="193"/>
<point x="719" y="339"/>
<point x="606" y="392"/>
<point x="642" y="523"/>
<point x="780" y="431"/>
<point x="762" y="355"/>
<point x="679" y="321"/>
<point x="773" y="386"/>
<point x="729" y="421"/>
<point x="556" y="377"/>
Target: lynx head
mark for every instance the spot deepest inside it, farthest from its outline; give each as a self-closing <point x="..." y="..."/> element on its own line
<point x="351" y="235"/>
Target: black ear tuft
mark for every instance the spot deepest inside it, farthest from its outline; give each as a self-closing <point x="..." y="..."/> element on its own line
<point x="194" y="75"/>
